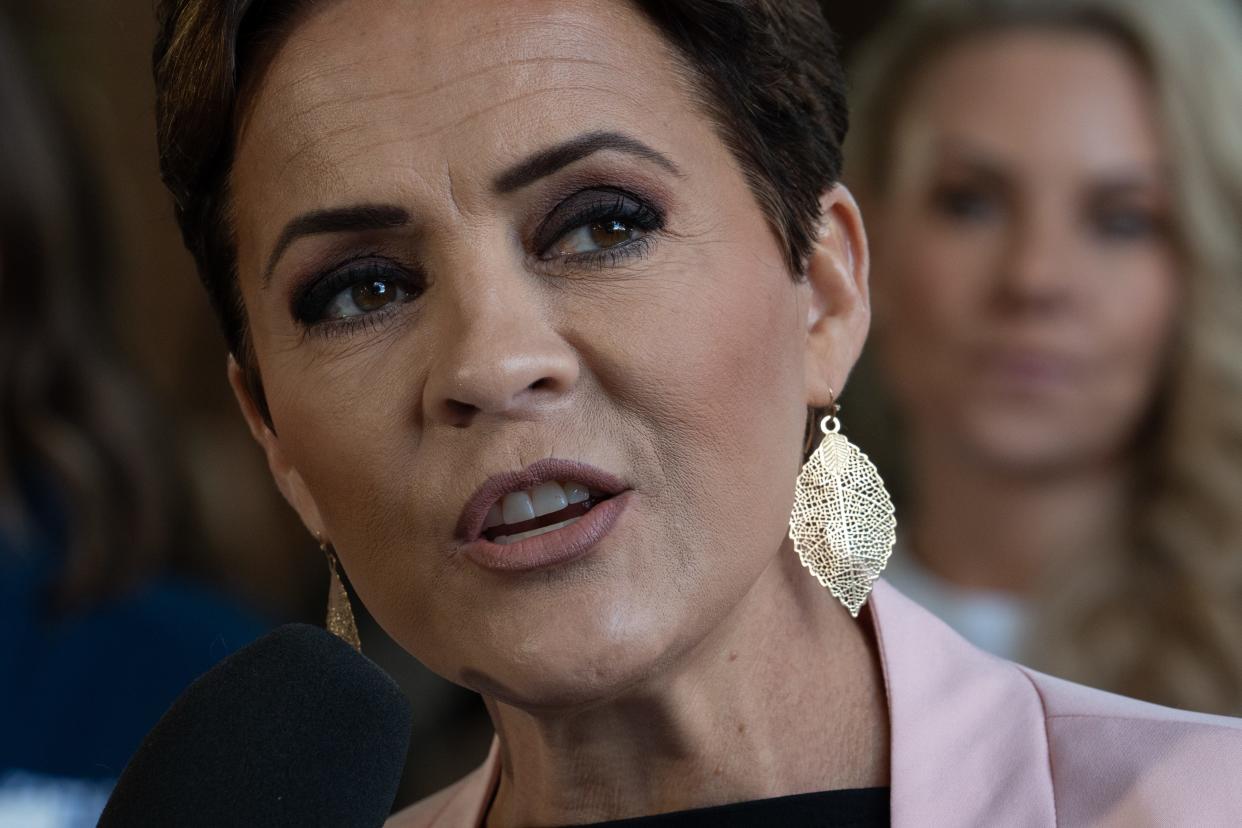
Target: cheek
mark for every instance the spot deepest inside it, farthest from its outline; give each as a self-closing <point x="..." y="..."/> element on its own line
<point x="348" y="431"/>
<point x="343" y="423"/>
<point x="1142" y="312"/>
<point x="930" y="284"/>
<point x="930" y="272"/>
<point x="729" y="346"/>
<point x="1136" y="324"/>
<point x="712" y="362"/>
<point x="716" y="375"/>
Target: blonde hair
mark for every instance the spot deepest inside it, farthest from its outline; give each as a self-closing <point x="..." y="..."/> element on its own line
<point x="1160" y="618"/>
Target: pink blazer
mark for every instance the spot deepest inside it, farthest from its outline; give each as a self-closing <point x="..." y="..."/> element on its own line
<point x="977" y="740"/>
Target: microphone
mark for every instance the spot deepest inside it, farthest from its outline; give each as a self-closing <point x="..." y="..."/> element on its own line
<point x="298" y="729"/>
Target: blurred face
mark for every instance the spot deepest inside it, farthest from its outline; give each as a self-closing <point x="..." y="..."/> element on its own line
<point x="1025" y="277"/>
<point x="534" y="363"/>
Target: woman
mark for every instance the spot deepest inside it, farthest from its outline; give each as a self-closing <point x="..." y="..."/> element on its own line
<point x="1054" y="191"/>
<point x="527" y="307"/>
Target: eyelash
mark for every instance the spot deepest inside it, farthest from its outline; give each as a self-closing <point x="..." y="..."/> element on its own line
<point x="311" y="301"/>
<point x="1108" y="222"/>
<point x="615" y="204"/>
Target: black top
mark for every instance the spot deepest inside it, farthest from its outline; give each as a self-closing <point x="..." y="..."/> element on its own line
<point x="850" y="808"/>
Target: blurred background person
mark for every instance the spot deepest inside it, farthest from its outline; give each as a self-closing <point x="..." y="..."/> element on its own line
<point x="1054" y="194"/>
<point x="97" y="634"/>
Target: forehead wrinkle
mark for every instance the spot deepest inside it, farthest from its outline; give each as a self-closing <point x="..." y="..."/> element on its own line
<point x="307" y="148"/>
<point x="568" y="35"/>
<point x="321" y="101"/>
<point x="332" y="101"/>
<point x="465" y="119"/>
<point x="314" y="92"/>
<point x="337" y="102"/>
<point x="269" y="87"/>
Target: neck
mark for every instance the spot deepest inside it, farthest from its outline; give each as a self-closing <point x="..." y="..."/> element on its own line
<point x="983" y="526"/>
<point x="785" y="697"/>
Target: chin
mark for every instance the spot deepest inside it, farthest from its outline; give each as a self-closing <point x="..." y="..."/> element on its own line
<point x="1030" y="444"/>
<point x="562" y="678"/>
<point x="565" y="667"/>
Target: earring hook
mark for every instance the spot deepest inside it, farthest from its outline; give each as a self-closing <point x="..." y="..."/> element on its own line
<point x="830" y="424"/>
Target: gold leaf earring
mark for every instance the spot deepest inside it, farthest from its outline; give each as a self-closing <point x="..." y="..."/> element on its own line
<point x="340" y="620"/>
<point x="842" y="524"/>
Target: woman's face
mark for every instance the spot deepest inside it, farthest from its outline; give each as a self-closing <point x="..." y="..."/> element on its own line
<point x="1026" y="281"/>
<point x="473" y="239"/>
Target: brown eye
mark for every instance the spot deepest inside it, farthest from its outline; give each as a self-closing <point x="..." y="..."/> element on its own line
<point x="596" y="236"/>
<point x="611" y="233"/>
<point x="371" y="296"/>
<point x="598" y="226"/>
<point x="965" y="203"/>
<point x="364" y="297"/>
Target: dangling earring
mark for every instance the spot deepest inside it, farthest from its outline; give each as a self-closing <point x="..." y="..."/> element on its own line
<point x="842" y="524"/>
<point x="340" y="620"/>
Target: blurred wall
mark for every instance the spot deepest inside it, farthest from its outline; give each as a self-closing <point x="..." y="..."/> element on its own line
<point x="96" y="55"/>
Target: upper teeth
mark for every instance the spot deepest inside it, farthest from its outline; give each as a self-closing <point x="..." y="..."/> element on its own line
<point x="527" y="504"/>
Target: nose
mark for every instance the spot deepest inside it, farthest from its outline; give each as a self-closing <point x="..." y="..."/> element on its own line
<point x="500" y="355"/>
<point x="1036" y="270"/>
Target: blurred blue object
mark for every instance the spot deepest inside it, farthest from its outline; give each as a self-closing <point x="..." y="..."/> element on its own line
<point x="78" y="692"/>
<point x="30" y="801"/>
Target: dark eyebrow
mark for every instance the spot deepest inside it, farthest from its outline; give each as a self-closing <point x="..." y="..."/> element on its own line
<point x="1123" y="182"/>
<point x="978" y="162"/>
<point x="335" y="220"/>
<point x="545" y="162"/>
<point x="1120" y="179"/>
<point x="386" y="216"/>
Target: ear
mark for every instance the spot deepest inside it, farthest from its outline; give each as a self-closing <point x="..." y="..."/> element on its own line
<point x="286" y="476"/>
<point x="839" y="313"/>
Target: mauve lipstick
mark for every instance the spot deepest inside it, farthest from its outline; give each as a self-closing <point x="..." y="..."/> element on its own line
<point x="550" y="548"/>
<point x="1028" y="369"/>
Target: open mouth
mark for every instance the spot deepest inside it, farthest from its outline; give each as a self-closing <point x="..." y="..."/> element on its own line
<point x="545" y="508"/>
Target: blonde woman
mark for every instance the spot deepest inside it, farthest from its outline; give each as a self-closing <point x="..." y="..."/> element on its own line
<point x="1053" y="192"/>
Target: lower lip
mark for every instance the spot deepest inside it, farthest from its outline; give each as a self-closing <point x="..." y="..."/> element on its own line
<point x="1027" y="372"/>
<point x="551" y="548"/>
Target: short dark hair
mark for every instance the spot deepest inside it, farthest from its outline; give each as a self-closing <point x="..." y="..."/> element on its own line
<point x="767" y="72"/>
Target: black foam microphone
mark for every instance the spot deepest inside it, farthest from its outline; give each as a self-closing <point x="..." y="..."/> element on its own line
<point x="297" y="729"/>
